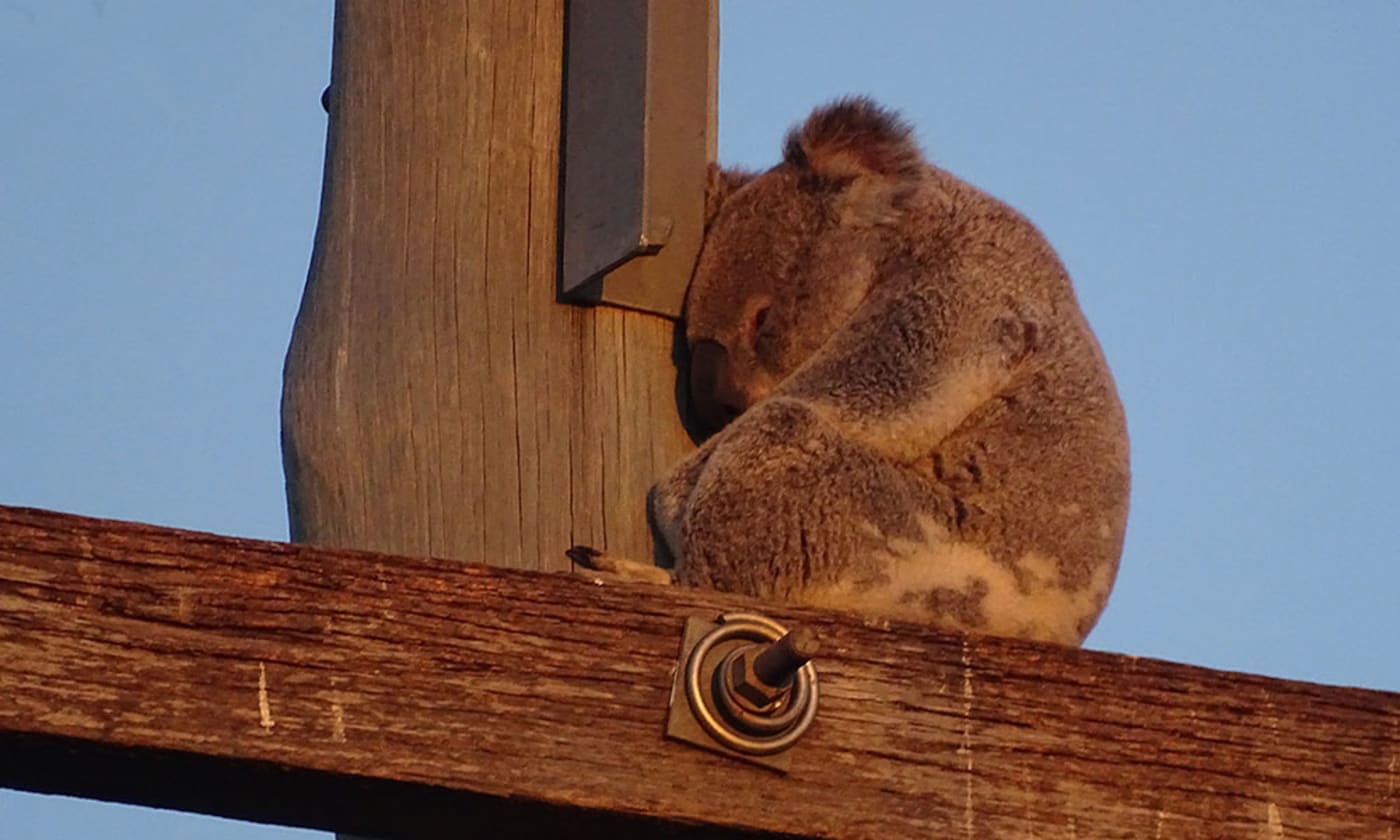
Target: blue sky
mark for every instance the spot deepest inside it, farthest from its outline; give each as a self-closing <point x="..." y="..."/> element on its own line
<point x="1223" y="181"/>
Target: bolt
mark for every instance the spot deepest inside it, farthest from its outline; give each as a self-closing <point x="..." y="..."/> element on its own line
<point x="759" y="678"/>
<point x="728" y="700"/>
<point x="777" y="663"/>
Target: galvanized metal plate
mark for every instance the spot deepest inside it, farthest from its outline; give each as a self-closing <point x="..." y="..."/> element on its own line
<point x="639" y="132"/>
<point x="681" y="723"/>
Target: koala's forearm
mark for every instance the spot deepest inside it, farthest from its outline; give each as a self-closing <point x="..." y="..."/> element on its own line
<point x="898" y="381"/>
<point x="909" y="431"/>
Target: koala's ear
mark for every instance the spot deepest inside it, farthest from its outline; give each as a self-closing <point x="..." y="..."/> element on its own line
<point x="865" y="150"/>
<point x="720" y="183"/>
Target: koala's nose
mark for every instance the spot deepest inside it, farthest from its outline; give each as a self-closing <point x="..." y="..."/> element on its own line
<point x="715" y="393"/>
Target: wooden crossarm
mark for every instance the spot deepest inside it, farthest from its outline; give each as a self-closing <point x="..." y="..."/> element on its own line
<point x="354" y="691"/>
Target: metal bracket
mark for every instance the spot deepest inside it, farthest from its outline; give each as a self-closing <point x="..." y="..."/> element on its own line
<point x="639" y="132"/>
<point x="744" y="688"/>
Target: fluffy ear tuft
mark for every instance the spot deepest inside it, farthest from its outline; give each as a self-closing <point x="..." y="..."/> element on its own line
<point x="852" y="137"/>
<point x="720" y="183"/>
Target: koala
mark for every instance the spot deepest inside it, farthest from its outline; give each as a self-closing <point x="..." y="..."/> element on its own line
<point x="909" y="416"/>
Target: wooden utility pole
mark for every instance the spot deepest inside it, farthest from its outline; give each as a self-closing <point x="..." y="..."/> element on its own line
<point x="439" y="400"/>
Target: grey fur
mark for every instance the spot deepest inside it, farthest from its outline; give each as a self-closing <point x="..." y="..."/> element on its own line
<point x="926" y="426"/>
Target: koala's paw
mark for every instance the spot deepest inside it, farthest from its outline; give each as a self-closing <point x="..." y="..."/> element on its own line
<point x="602" y="567"/>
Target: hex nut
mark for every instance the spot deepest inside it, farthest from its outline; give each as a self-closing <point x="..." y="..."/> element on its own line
<point x="756" y="695"/>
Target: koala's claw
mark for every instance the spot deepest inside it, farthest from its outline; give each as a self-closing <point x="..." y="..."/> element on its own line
<point x="601" y="566"/>
<point x="583" y="555"/>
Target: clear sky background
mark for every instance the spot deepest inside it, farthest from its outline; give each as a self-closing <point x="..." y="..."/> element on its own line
<point x="1222" y="179"/>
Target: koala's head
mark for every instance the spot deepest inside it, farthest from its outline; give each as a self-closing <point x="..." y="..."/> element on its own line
<point x="790" y="253"/>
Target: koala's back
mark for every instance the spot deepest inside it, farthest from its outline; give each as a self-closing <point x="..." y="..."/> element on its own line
<point x="953" y="452"/>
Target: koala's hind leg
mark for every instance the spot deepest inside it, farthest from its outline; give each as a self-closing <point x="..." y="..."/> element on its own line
<point x="789" y="508"/>
<point x="786" y="504"/>
<point x="666" y="504"/>
<point x="669" y="498"/>
<point x="603" y="566"/>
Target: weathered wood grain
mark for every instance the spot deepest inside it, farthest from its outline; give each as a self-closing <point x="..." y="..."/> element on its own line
<point x="362" y="692"/>
<point x="437" y="399"/>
